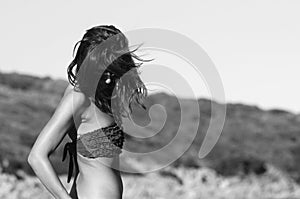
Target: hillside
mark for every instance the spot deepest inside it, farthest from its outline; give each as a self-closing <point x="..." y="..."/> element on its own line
<point x="251" y="139"/>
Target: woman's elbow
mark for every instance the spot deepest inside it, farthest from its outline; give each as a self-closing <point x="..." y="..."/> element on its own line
<point x="33" y="158"/>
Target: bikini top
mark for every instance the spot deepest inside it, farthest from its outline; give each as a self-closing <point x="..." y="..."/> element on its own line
<point x="103" y="142"/>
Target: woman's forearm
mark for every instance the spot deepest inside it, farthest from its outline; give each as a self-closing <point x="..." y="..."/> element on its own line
<point x="45" y="172"/>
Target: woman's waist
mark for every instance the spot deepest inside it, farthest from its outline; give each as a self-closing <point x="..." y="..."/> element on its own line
<point x="100" y="176"/>
<point x="97" y="185"/>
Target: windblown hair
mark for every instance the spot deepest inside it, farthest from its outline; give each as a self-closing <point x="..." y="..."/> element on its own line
<point x="104" y="70"/>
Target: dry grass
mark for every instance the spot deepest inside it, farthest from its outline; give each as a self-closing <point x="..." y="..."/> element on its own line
<point x="201" y="183"/>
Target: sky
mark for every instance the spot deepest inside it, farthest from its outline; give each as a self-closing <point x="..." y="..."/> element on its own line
<point x="254" y="45"/>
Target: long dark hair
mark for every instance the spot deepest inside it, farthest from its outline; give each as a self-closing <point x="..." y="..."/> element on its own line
<point x="105" y="70"/>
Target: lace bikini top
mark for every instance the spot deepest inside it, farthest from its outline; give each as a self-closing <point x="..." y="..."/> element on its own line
<point x="103" y="142"/>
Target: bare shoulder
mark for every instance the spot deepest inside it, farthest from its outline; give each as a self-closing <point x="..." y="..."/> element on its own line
<point x="76" y="97"/>
<point x="69" y="88"/>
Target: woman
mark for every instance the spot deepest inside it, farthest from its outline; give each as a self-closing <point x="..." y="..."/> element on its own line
<point x="104" y="82"/>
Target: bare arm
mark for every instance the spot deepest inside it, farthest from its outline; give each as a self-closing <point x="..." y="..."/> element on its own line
<point x="48" y="140"/>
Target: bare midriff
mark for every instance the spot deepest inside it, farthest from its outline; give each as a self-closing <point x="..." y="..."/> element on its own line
<point x="99" y="178"/>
